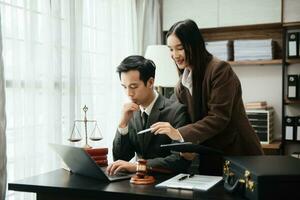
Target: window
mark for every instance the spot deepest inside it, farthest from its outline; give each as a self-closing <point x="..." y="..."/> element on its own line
<point x="58" y="57"/>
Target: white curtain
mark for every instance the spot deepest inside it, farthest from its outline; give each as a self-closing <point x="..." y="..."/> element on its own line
<point x="149" y="19"/>
<point x="2" y="125"/>
<point x="105" y="35"/>
<point x="36" y="50"/>
<point x="58" y="57"/>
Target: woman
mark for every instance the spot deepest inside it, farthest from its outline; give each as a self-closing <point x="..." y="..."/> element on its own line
<point x="212" y="92"/>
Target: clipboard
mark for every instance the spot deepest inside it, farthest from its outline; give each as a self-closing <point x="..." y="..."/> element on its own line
<point x="191" y="148"/>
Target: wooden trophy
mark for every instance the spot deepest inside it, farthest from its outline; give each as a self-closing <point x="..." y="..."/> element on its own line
<point x="141" y="177"/>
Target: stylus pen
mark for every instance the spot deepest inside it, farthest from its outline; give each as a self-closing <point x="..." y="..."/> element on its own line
<point x="191" y="175"/>
<point x="183" y="177"/>
<point x="144" y="131"/>
<point x="186" y="176"/>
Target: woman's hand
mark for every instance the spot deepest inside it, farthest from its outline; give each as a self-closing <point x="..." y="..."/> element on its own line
<point x="167" y="129"/>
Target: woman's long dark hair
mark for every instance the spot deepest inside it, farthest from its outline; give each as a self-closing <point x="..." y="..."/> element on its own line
<point x="197" y="57"/>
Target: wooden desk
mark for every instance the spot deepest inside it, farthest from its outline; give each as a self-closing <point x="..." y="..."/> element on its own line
<point x="60" y="184"/>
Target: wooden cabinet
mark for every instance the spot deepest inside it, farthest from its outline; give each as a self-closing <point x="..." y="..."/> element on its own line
<point x="275" y="148"/>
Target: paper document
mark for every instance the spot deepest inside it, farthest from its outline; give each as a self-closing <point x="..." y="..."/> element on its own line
<point x="195" y="182"/>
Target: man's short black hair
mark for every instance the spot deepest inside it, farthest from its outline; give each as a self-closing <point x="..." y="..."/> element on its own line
<point x="145" y="66"/>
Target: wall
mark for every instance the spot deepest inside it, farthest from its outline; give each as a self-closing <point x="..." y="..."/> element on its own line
<point x="258" y="82"/>
<point x="263" y="86"/>
<point x="215" y="13"/>
<point x="291" y="10"/>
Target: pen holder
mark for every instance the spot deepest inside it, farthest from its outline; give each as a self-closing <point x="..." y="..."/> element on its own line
<point x="141" y="177"/>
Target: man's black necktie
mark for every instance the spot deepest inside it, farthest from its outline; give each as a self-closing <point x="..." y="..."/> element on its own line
<point x="145" y="119"/>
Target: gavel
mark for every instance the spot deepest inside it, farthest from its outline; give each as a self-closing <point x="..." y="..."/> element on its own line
<point x="141" y="169"/>
<point x="141" y="177"/>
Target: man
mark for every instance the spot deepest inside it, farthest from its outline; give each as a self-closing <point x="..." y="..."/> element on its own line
<point x="137" y="77"/>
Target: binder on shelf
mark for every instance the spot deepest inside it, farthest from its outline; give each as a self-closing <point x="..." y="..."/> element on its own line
<point x="292" y="92"/>
<point x="293" y="45"/>
<point x="297" y="137"/>
<point x="289" y="128"/>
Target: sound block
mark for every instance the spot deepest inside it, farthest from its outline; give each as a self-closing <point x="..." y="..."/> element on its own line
<point x="142" y="181"/>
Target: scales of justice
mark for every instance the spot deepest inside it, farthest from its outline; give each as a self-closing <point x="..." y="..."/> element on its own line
<point x="94" y="136"/>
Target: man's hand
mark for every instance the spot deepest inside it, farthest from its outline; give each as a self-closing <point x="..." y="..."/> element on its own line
<point x="121" y="165"/>
<point x="127" y="113"/>
<point x="166" y="128"/>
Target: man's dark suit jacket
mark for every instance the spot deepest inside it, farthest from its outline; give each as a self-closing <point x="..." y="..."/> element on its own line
<point x="147" y="145"/>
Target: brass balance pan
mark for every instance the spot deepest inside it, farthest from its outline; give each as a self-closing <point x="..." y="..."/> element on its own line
<point x="96" y="138"/>
<point x="74" y="140"/>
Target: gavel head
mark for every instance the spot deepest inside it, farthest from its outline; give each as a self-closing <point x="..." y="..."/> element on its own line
<point x="141" y="169"/>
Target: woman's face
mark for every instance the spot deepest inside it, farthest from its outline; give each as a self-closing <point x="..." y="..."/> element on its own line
<point x="177" y="51"/>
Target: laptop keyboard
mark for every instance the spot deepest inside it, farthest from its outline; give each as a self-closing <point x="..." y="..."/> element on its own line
<point x="119" y="174"/>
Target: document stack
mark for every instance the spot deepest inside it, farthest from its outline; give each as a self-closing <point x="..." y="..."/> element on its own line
<point x="220" y="49"/>
<point x="261" y="118"/>
<point x="253" y="49"/>
<point x="99" y="155"/>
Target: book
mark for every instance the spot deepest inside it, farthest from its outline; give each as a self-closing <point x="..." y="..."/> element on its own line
<point x="97" y="151"/>
<point x="99" y="157"/>
<point x="256" y="103"/>
<point x="257" y="107"/>
<point x="101" y="162"/>
<point x="190" y="182"/>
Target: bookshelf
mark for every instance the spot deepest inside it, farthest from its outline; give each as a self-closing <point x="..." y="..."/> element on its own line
<point x="257" y="31"/>
<point x="290" y="107"/>
<point x="291" y="102"/>
<point x="293" y="61"/>
<point x="258" y="62"/>
<point x="277" y="32"/>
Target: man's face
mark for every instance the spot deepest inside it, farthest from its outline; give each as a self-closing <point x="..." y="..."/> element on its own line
<point x="135" y="88"/>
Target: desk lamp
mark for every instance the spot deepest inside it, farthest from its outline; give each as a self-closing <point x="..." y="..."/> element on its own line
<point x="166" y="70"/>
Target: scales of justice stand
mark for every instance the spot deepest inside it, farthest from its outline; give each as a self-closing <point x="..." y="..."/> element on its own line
<point x="140" y="178"/>
<point x="95" y="135"/>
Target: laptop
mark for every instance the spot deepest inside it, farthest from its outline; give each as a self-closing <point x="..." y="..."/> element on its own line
<point x="80" y="162"/>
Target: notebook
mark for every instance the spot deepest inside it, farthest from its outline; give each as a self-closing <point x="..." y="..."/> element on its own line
<point x="80" y="162"/>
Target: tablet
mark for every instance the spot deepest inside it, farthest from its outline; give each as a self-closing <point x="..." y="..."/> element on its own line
<point x="191" y="148"/>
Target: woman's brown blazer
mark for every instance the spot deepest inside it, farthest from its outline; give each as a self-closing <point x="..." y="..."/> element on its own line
<point x="225" y="125"/>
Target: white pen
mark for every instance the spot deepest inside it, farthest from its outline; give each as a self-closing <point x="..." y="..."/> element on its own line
<point x="144" y="131"/>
